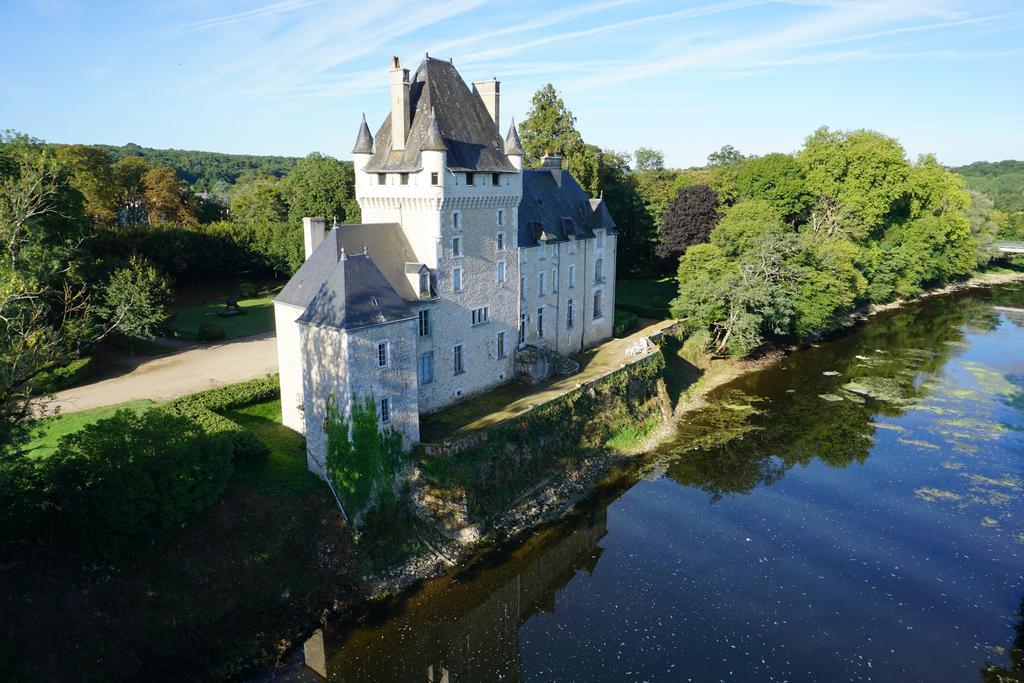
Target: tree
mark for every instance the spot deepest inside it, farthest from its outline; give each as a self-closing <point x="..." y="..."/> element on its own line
<point x="726" y="156"/>
<point x="649" y="160"/>
<point x="131" y="192"/>
<point x="550" y="129"/>
<point x="635" y="227"/>
<point x="258" y="199"/>
<point x="92" y="175"/>
<point x="45" y="312"/>
<point x="165" y="197"/>
<point x="778" y="179"/>
<point x="857" y="179"/>
<point x="689" y="220"/>
<point x="321" y="186"/>
<point x="138" y="298"/>
<point x="986" y="225"/>
<point x="744" y="223"/>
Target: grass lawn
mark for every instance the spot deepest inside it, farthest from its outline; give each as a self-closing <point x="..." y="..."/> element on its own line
<point x="45" y="433"/>
<point x="284" y="470"/>
<point x="259" y="317"/>
<point x="646" y="298"/>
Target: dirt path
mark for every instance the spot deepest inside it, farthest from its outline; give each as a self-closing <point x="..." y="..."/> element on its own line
<point x="168" y="377"/>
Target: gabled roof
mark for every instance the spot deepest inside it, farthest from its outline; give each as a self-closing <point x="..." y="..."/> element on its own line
<point x="355" y="295"/>
<point x="549" y="213"/>
<point x="465" y="126"/>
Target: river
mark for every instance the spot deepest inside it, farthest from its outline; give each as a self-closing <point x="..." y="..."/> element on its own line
<point x="854" y="513"/>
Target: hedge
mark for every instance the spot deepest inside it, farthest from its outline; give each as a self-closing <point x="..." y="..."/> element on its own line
<point x="231" y="396"/>
<point x="75" y="372"/>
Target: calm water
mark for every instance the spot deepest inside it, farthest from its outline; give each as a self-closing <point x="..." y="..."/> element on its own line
<point x="795" y="530"/>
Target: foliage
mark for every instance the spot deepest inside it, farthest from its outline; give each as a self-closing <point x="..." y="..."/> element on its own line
<point x="363" y="461"/>
<point x="258" y="199"/>
<point x="1000" y="181"/>
<point x="125" y="480"/>
<point x="646" y="298"/>
<point x="778" y="179"/>
<point x="231" y="396"/>
<point x="75" y="372"/>
<point x="137" y="299"/>
<point x="987" y="223"/>
<point x="690" y="219"/>
<point x="649" y="160"/>
<point x="550" y="129"/>
<point x="46" y="317"/>
<point x="210" y="332"/>
<point x="166" y="197"/>
<point x="625" y="322"/>
<point x="321" y="186"/>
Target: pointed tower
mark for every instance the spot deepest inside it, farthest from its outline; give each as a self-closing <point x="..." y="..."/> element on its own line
<point x="433" y="151"/>
<point x="514" y="147"/>
<point x="362" y="151"/>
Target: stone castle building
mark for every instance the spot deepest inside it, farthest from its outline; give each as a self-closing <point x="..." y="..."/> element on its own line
<point x="465" y="259"/>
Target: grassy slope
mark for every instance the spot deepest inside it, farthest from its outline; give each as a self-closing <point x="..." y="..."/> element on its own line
<point x="242" y="581"/>
<point x="259" y="317"/>
<point x="47" y="432"/>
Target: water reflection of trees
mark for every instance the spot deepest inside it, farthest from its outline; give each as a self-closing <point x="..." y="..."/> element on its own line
<point x="1014" y="673"/>
<point x="759" y="427"/>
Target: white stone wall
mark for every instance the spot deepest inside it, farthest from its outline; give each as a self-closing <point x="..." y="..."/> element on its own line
<point x="289" y="365"/>
<point x="324" y="372"/>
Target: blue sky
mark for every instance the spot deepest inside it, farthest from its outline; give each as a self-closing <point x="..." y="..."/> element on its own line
<point x="292" y="76"/>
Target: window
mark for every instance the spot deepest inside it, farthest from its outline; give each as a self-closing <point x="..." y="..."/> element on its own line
<point x="600" y="239"/>
<point x="457" y="366"/>
<point x="554" y="280"/>
<point x="382" y="354"/>
<point x="522" y="328"/>
<point x="599" y="270"/>
<point x="469" y="178"/>
<point x="499" y="242"/>
<point x="480" y="315"/>
<point x="522" y="287"/>
<point x="456" y="220"/>
<point x="424" y="323"/>
<point x="427" y="368"/>
<point x="540" y="321"/>
<point x="382" y="178"/>
<point x="501" y="216"/>
<point x="404" y="178"/>
<point x="433" y="178"/>
<point x="385" y="410"/>
<point x="457" y="279"/>
<point x="425" y="284"/>
<point x="501" y="345"/>
<point x="572" y="276"/>
<point x="597" y="304"/>
<point x="570" y="313"/>
<point x="541" y="291"/>
<point x="542" y="252"/>
<point x="501" y="272"/>
<point x="456" y="246"/>
<point x="495" y="179"/>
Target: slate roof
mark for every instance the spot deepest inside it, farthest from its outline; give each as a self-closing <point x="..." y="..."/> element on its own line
<point x="549" y="213"/>
<point x="356" y="295"/>
<point x="513" y="145"/>
<point x="466" y="128"/>
<point x="364" y="141"/>
<point x="368" y="287"/>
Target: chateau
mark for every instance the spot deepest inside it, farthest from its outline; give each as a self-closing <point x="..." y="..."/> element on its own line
<point x="465" y="262"/>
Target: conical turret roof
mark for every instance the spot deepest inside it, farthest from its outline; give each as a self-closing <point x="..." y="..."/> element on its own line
<point x="364" y="141"/>
<point x="433" y="141"/>
<point x="512" y="143"/>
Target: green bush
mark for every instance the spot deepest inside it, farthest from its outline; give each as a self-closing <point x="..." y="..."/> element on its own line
<point x="232" y="396"/>
<point x="625" y="321"/>
<point x="655" y="312"/>
<point x="210" y="332"/>
<point x="75" y="372"/>
<point x="248" y="290"/>
<point x="125" y="480"/>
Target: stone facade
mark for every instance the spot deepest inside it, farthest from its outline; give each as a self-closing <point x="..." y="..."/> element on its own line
<point x="447" y="302"/>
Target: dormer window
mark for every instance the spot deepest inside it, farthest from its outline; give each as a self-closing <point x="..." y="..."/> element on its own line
<point x="495" y="179"/>
<point x="425" y="284"/>
<point x="469" y="178"/>
<point x="382" y="178"/>
<point x="434" y="178"/>
<point x="404" y="178"/>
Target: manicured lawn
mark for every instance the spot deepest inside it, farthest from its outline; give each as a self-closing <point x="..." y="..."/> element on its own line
<point x="259" y="317"/>
<point x="646" y="298"/>
<point x="47" y="432"/>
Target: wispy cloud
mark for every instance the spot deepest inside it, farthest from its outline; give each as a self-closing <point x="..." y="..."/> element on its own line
<point x="250" y="15"/>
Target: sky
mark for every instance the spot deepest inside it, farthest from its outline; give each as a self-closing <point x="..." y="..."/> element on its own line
<point x="291" y="77"/>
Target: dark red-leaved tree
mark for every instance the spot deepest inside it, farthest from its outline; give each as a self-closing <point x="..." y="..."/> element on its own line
<point x="690" y="218"/>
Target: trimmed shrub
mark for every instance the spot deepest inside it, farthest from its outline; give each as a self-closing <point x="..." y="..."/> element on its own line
<point x="75" y="372"/>
<point x="210" y="332"/>
<point x="625" y="321"/>
<point x="248" y="290"/>
<point x="232" y="396"/>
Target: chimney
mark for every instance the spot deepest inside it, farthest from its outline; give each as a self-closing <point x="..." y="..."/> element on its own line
<point x="490" y="92"/>
<point x="553" y="164"/>
<point x="399" y="105"/>
<point x="313" y="232"/>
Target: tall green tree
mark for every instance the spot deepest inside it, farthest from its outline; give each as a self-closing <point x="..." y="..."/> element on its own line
<point x="776" y="178"/>
<point x="647" y="160"/>
<point x="258" y="199"/>
<point x="138" y="298"/>
<point x="550" y="129"/>
<point x="320" y="185"/>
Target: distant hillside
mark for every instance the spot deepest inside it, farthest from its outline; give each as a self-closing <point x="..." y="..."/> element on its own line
<point x="207" y="171"/>
<point x="1001" y="181"/>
